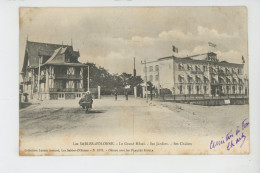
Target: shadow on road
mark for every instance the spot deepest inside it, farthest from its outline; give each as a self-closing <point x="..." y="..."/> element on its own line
<point x="24" y="105"/>
<point x="96" y="111"/>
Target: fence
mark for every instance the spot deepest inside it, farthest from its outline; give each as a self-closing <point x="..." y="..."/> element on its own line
<point x="206" y="100"/>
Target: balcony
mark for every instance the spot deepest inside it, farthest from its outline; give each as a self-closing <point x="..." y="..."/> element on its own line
<point x="67" y="89"/>
<point x="27" y="80"/>
<point x="66" y="76"/>
<point x="197" y="72"/>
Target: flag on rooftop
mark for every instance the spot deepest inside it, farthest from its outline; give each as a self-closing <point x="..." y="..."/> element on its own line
<point x="243" y="59"/>
<point x="174" y="49"/>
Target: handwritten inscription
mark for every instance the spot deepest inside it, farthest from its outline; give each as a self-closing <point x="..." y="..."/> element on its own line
<point x="232" y="139"/>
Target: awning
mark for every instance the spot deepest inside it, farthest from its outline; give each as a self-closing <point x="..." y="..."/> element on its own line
<point x="205" y="77"/>
<point x="228" y="79"/>
<point x="215" y="78"/>
<point x="190" y="78"/>
<point x="222" y="79"/>
<point x="197" y="67"/>
<point x="198" y="77"/>
<point x="235" y="80"/>
<point x="222" y="70"/>
<point x="240" y="80"/>
<point x="228" y="70"/>
<point x="189" y="66"/>
<point x="214" y="70"/>
<point x="181" y="76"/>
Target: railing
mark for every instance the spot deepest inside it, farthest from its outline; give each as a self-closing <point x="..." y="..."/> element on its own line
<point x="67" y="89"/>
<point x="197" y="72"/>
<point x="66" y="76"/>
<point x="192" y="83"/>
<point x="221" y="73"/>
<point x="200" y="96"/>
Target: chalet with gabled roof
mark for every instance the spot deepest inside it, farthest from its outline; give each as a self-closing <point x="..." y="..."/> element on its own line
<point x="61" y="74"/>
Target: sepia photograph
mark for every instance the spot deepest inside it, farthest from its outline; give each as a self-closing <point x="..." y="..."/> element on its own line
<point x="133" y="81"/>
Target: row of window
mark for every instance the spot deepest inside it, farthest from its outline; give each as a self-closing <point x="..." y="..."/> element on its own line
<point x="155" y="79"/>
<point x="229" y="90"/>
<point x="189" y="89"/>
<point x="151" y="68"/>
<point x="67" y="70"/>
<point x="68" y="84"/>
<point x="204" y="79"/>
<point x="190" y="67"/>
<point x="200" y="68"/>
<point x="226" y="70"/>
<point x="203" y="68"/>
<point x="190" y="79"/>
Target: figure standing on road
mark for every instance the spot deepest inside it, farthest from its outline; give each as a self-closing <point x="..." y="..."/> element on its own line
<point x="115" y="95"/>
<point x="126" y="95"/>
<point x="151" y="93"/>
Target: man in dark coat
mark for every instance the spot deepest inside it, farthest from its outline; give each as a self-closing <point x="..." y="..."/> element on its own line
<point x="87" y="98"/>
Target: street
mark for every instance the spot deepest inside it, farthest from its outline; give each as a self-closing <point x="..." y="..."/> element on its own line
<point x="127" y="120"/>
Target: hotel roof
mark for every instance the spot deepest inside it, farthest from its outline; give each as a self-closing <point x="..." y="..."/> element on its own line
<point x="200" y="58"/>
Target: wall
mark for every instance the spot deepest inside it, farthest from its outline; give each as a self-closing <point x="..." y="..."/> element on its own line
<point x="164" y="73"/>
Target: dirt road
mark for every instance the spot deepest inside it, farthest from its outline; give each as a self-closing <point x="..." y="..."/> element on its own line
<point x="109" y="117"/>
<point x="131" y="120"/>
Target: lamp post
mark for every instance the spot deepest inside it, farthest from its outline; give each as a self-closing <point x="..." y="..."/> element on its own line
<point x="88" y="77"/>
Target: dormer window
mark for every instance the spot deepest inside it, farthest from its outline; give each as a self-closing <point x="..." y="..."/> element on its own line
<point x="197" y="68"/>
<point x="189" y="67"/>
<point x="180" y="67"/>
<point x="157" y="68"/>
<point x="68" y="59"/>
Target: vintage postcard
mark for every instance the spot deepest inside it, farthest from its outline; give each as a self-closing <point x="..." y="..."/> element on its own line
<point x="133" y="81"/>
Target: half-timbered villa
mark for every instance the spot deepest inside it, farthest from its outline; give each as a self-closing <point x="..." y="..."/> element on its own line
<point x="61" y="74"/>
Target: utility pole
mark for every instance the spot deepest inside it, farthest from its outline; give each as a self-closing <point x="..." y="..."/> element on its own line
<point x="134" y="73"/>
<point x="88" y="77"/>
<point x="159" y="85"/>
<point x="146" y="82"/>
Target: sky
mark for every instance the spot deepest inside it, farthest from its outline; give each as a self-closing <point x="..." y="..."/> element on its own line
<point x="112" y="36"/>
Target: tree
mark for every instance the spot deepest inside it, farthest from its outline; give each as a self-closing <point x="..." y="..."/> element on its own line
<point x="99" y="76"/>
<point x="150" y="86"/>
<point x="126" y="78"/>
<point x="135" y="81"/>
